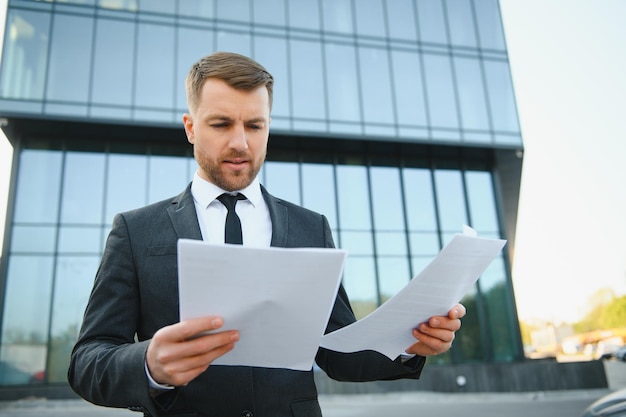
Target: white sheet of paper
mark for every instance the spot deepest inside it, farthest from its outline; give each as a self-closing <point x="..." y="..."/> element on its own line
<point x="441" y="285"/>
<point x="278" y="299"/>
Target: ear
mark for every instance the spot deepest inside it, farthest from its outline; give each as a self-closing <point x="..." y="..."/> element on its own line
<point x="188" y="123"/>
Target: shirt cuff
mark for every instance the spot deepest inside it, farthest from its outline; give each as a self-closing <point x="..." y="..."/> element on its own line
<point x="153" y="384"/>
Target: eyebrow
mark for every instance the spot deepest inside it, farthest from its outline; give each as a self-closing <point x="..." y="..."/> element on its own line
<point x="228" y="119"/>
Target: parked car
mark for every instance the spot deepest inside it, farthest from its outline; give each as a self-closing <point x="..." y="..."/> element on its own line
<point x="611" y="405"/>
<point x="620" y="354"/>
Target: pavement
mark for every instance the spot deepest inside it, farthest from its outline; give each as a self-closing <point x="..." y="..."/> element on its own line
<point x="396" y="404"/>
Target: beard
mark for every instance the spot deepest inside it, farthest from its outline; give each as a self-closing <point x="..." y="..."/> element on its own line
<point x="227" y="180"/>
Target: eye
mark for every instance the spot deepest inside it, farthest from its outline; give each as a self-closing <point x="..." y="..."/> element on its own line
<point x="221" y="125"/>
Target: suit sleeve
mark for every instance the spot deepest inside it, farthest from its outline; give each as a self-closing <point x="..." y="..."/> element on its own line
<point x="107" y="365"/>
<point x="365" y="365"/>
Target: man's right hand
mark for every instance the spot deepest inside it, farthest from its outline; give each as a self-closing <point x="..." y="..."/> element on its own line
<point x="177" y="355"/>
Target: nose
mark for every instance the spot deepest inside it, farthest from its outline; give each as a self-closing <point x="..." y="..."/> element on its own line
<point x="238" y="140"/>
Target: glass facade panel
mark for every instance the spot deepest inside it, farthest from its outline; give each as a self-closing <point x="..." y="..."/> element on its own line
<point x="440" y="91"/>
<point x="37" y="199"/>
<point x="337" y="16"/>
<point x="450" y="201"/>
<point x="25" y="54"/>
<point x="359" y="280"/>
<point x="70" y="58"/>
<point x="481" y="202"/>
<point x="269" y="12"/>
<point x="387" y="198"/>
<point x="166" y="173"/>
<point x="307" y="79"/>
<point x="419" y="198"/>
<point x="318" y="191"/>
<point x="472" y="103"/>
<point x="431" y="21"/>
<point x="126" y="184"/>
<point x="394" y="275"/>
<point x="370" y="18"/>
<point x="489" y="24"/>
<point x="461" y="22"/>
<point x="343" y="89"/>
<point x="376" y="86"/>
<point x="283" y="178"/>
<point x="154" y="74"/>
<point x="25" y="319"/>
<point x="83" y="200"/>
<point x="304" y="14"/>
<point x="501" y="97"/>
<point x="113" y="62"/>
<point x="204" y="9"/>
<point x="71" y="292"/>
<point x="408" y="86"/>
<point x="401" y="19"/>
<point x="234" y="10"/>
<point x="353" y="196"/>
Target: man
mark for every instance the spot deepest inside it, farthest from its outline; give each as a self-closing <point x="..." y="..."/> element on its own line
<point x="134" y="352"/>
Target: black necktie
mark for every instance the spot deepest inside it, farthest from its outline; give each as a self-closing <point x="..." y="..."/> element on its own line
<point x="232" y="231"/>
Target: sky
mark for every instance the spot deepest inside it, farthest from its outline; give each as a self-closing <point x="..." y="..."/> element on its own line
<point x="568" y="64"/>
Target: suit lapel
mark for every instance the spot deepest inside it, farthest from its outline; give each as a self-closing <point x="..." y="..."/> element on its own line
<point x="183" y="215"/>
<point x="279" y="217"/>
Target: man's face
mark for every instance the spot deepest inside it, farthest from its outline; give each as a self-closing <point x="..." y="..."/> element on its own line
<point x="229" y="130"/>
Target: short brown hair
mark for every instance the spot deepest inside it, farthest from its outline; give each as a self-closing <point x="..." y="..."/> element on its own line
<point x="238" y="71"/>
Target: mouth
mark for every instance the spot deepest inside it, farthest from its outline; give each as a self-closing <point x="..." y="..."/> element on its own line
<point x="236" y="163"/>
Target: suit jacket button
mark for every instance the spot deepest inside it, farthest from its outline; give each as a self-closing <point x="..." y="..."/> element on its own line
<point x="247" y="413"/>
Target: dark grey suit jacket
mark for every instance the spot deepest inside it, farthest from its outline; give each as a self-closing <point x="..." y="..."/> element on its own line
<point x="136" y="293"/>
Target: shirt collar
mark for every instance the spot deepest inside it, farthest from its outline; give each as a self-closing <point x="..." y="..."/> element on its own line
<point x="205" y="192"/>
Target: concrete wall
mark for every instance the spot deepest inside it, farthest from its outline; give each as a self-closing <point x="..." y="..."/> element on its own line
<point x="536" y="375"/>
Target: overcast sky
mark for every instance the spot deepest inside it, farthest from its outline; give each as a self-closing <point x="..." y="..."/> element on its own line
<point x="568" y="65"/>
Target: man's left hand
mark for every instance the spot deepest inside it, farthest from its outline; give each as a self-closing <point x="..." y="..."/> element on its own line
<point x="437" y="334"/>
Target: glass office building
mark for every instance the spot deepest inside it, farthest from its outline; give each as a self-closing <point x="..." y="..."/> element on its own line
<point x="394" y="118"/>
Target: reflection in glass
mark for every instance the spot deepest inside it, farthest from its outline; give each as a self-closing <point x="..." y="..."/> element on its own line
<point x="25" y="54"/>
<point x="73" y="282"/>
<point x="33" y="239"/>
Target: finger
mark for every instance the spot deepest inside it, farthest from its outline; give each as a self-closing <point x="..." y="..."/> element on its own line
<point x="425" y="333"/>
<point x="182" y="371"/>
<point x="199" y="346"/>
<point x="187" y="329"/>
<point x="457" y="312"/>
<point x="439" y="322"/>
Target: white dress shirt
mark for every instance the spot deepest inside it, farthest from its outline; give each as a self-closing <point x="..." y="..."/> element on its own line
<point x="256" y="225"/>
